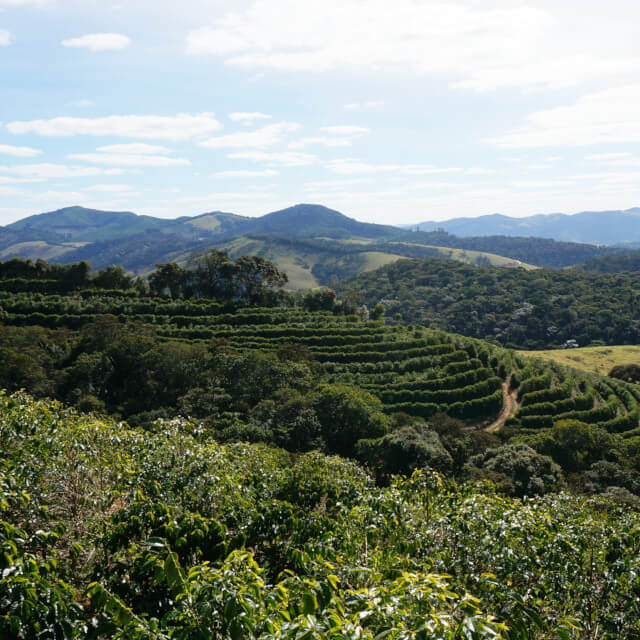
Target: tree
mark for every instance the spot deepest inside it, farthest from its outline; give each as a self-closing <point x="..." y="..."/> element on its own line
<point x="255" y="277"/>
<point x="168" y="276"/>
<point x="319" y="299"/>
<point x="113" y="277"/>
<point x="410" y="447"/>
<point x="210" y="275"/>
<point x="347" y="415"/>
<point x="519" y="469"/>
<point x="378" y="312"/>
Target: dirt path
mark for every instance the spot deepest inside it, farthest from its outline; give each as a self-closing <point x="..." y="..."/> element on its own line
<point x="509" y="406"/>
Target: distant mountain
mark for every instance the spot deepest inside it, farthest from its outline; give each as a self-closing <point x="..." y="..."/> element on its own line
<point x="590" y="227"/>
<point x="313" y="221"/>
<point x="313" y="244"/>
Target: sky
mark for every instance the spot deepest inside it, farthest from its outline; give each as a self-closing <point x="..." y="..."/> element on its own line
<point x="390" y="112"/>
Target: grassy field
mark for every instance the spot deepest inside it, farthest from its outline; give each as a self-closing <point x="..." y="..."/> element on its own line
<point x="472" y="257"/>
<point x="39" y="249"/>
<point x="596" y="359"/>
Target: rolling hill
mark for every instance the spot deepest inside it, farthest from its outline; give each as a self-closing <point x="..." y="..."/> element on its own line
<point x="312" y="243"/>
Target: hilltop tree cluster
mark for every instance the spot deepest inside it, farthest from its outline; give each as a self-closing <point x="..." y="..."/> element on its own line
<point x="214" y="275"/>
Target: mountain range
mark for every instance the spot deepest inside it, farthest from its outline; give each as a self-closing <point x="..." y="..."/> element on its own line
<point x="614" y="228"/>
<point x="312" y="243"/>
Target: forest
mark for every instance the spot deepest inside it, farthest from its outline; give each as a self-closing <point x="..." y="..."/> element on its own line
<point x="223" y="459"/>
<point x="519" y="309"/>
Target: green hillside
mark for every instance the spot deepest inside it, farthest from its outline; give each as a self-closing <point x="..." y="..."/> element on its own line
<point x="517" y="308"/>
<point x="253" y="490"/>
<point x="140" y="242"/>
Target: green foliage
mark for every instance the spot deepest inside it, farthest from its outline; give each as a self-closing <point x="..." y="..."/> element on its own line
<point x="348" y="414"/>
<point x="519" y="469"/>
<point x="142" y="535"/>
<point x="517" y="308"/>
<point x="405" y="449"/>
<point x="627" y="372"/>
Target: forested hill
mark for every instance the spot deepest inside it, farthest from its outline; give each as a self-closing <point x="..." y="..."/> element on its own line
<point x="139" y="242"/>
<point x="517" y="308"/>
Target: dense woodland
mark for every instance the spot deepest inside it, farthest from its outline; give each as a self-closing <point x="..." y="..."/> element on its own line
<point x="477" y="494"/>
<point x="519" y="309"/>
<point x="614" y="264"/>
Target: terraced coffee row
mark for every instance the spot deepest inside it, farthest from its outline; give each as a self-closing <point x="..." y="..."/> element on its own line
<point x="412" y="370"/>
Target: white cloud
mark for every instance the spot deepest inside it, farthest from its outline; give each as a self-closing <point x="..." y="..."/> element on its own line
<point x="248" y="118"/>
<point x="138" y="148"/>
<point x="99" y="42"/>
<point x="338" y="136"/>
<point x="110" y="188"/>
<point x="283" y="158"/>
<point x="19" y="152"/>
<point x="182" y="126"/>
<point x="361" y="106"/>
<point x="242" y="173"/>
<point x="345" y="130"/>
<point x="127" y="159"/>
<point x="327" y="141"/>
<point x="609" y="116"/>
<point x="47" y="171"/>
<point x="9" y="191"/>
<point x="351" y="166"/>
<point x="333" y="185"/>
<point x="265" y="137"/>
<point x="533" y="44"/>
<point x="82" y="103"/>
<point x="13" y="179"/>
<point x="5" y="38"/>
<point x="21" y="3"/>
<point x="617" y="155"/>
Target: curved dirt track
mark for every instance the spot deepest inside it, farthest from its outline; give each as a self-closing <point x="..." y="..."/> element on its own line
<point x="509" y="407"/>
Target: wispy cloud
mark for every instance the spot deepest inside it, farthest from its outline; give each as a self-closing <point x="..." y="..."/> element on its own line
<point x="127" y="159"/>
<point x="99" y="42"/>
<point x="283" y="158"/>
<point x="345" y="130"/>
<point x="265" y="137"/>
<point x="247" y="118"/>
<point x="182" y="126"/>
<point x="110" y="188"/>
<point x="336" y="136"/>
<point x="5" y="38"/>
<point x="246" y="173"/>
<point x="83" y="103"/>
<point x="604" y="117"/>
<point x="22" y="3"/>
<point x="19" y="152"/>
<point x="362" y="106"/>
<point x="47" y="171"/>
<point x="351" y="166"/>
<point x="480" y="46"/>
<point x="138" y="148"/>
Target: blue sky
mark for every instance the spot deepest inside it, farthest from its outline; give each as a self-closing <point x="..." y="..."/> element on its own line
<point x="389" y="112"/>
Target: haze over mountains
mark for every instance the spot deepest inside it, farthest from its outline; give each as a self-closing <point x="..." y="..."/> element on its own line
<point x="590" y="227"/>
<point x="312" y="243"/>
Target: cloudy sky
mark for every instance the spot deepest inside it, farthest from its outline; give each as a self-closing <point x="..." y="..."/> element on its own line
<point x="393" y="112"/>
